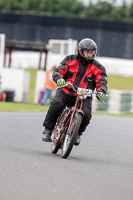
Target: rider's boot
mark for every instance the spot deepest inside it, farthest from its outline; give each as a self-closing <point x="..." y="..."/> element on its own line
<point x="78" y="139"/>
<point x="47" y="135"/>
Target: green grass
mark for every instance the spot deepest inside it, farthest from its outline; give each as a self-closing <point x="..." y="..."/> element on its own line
<point x="32" y="84"/>
<point x="120" y="82"/>
<point x="20" y="107"/>
<point x="110" y="114"/>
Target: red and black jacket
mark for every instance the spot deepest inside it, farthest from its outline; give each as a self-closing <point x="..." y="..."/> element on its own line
<point x="81" y="73"/>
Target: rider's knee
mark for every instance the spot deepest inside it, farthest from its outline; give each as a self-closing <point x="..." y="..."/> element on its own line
<point x="57" y="104"/>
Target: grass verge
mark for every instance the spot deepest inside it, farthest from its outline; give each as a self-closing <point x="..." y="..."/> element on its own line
<point x="32" y="84"/>
<point x="120" y="82"/>
<point x="19" y="107"/>
<point x="110" y="114"/>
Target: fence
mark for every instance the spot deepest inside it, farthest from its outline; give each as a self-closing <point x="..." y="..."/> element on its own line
<point x="114" y="38"/>
<point x="118" y="101"/>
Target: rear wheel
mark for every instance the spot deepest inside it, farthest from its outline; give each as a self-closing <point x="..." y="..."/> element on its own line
<point x="71" y="136"/>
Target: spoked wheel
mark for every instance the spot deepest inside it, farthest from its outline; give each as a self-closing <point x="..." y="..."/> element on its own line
<point x="54" y="148"/>
<point x="55" y="143"/>
<point x="71" y="136"/>
<point x="56" y="137"/>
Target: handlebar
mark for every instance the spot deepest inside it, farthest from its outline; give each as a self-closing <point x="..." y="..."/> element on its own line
<point x="75" y="88"/>
<point x="89" y="92"/>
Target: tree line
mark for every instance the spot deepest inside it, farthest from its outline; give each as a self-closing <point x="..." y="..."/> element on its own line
<point x="76" y="8"/>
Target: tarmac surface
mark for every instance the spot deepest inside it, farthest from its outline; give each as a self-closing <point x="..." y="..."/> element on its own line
<point x="101" y="168"/>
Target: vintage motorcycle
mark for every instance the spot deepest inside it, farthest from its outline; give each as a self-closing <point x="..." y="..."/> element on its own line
<point x="68" y="123"/>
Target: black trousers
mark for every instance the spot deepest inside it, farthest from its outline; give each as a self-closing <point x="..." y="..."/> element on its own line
<point x="61" y="100"/>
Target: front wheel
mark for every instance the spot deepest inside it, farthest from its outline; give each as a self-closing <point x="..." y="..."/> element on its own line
<point x="55" y="141"/>
<point x="56" y="135"/>
<point x="71" y="136"/>
<point x="54" y="148"/>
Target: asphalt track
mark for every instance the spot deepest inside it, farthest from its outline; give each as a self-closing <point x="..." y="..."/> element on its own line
<point x="101" y="168"/>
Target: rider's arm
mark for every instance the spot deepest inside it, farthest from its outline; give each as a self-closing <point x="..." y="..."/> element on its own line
<point x="101" y="80"/>
<point x="61" y="70"/>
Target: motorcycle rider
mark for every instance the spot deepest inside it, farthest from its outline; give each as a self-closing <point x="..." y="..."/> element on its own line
<point x="84" y="71"/>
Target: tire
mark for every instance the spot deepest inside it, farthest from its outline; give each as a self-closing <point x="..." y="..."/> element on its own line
<point x="62" y="116"/>
<point x="71" y="136"/>
<point x="55" y="143"/>
<point x="54" y="148"/>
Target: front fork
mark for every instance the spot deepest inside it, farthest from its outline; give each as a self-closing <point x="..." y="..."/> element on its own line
<point x="76" y="108"/>
<point x="68" y="120"/>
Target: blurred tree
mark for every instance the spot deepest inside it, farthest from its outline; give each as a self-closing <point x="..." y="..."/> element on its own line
<point x="103" y="9"/>
<point x="58" y="7"/>
<point x="121" y="13"/>
<point x="30" y="5"/>
<point x="131" y="11"/>
<point x="62" y="7"/>
<point x="10" y="5"/>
